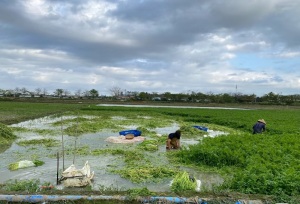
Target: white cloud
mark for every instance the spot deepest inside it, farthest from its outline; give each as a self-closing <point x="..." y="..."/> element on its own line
<point x="151" y="45"/>
<point x="289" y="54"/>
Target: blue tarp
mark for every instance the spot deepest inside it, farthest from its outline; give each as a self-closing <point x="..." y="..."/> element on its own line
<point x="201" y="128"/>
<point x="134" y="132"/>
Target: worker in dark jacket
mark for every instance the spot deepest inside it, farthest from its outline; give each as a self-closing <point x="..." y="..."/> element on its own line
<point x="173" y="140"/>
<point x="259" y="126"/>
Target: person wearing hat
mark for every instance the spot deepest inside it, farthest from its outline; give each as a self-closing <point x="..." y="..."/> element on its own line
<point x="259" y="126"/>
<point x="173" y="140"/>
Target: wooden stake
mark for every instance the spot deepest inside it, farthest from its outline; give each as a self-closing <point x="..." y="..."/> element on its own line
<point x="62" y="143"/>
<point x="57" y="169"/>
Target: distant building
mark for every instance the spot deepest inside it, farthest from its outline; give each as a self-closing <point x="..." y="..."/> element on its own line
<point x="156" y="98"/>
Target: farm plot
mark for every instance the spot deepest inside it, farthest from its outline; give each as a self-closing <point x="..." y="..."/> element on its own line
<point x="229" y="158"/>
<point x="120" y="166"/>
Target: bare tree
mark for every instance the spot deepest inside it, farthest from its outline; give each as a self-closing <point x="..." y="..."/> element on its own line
<point x="9" y="92"/>
<point x="115" y="91"/>
<point x="78" y="93"/>
<point x="86" y="93"/>
<point x="24" y="90"/>
<point x="45" y="92"/>
<point x="38" y="91"/>
<point x="17" y="92"/>
<point x="66" y="92"/>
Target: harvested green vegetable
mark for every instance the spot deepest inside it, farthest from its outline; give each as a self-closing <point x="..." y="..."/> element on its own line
<point x="182" y="182"/>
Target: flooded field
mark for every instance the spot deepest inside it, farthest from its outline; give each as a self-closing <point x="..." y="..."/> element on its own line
<point x="144" y="167"/>
<point x="79" y="149"/>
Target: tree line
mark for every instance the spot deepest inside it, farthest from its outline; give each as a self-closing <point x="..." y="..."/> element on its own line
<point x="117" y="93"/>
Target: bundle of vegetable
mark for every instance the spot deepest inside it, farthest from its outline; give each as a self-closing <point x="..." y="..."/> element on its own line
<point x="6" y="132"/>
<point x="24" y="164"/>
<point x="183" y="182"/>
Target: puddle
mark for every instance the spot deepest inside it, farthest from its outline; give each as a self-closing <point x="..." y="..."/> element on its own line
<point x="167" y="130"/>
<point x="214" y="133"/>
<point x="101" y="164"/>
<point x="153" y="106"/>
<point x="45" y="122"/>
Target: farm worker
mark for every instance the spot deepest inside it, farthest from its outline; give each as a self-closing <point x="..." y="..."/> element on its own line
<point x="173" y="141"/>
<point x="259" y="126"/>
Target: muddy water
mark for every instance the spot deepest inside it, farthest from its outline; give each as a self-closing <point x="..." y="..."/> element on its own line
<point x="99" y="164"/>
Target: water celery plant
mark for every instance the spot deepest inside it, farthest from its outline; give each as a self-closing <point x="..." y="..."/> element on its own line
<point x="183" y="182"/>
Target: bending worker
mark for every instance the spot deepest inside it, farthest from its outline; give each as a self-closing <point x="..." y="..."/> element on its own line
<point x="259" y="126"/>
<point x="173" y="141"/>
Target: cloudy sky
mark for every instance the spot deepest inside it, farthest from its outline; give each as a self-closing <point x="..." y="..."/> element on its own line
<point x="159" y="46"/>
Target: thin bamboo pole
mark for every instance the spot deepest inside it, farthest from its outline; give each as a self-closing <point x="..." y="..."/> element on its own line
<point x="62" y="144"/>
<point x="57" y="169"/>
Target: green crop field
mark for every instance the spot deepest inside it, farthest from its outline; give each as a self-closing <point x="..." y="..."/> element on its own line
<point x="262" y="164"/>
<point x="13" y="112"/>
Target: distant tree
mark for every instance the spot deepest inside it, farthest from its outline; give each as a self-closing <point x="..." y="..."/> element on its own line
<point x="202" y="97"/>
<point x="24" y="90"/>
<point x="9" y="93"/>
<point x="38" y="91"/>
<point x="144" y="96"/>
<point x="45" y="92"/>
<point x="17" y="90"/>
<point x="78" y="93"/>
<point x="115" y="91"/>
<point x="244" y="98"/>
<point x="87" y="94"/>
<point x="192" y="96"/>
<point x="58" y="92"/>
<point x="271" y="98"/>
<point x="167" y="96"/>
<point x="133" y="94"/>
<point x="227" y="98"/>
<point x="181" y="97"/>
<point x="94" y="93"/>
<point x="289" y="99"/>
<point x="66" y="92"/>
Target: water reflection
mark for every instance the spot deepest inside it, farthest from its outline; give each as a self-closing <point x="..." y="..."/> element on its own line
<point x="101" y="164"/>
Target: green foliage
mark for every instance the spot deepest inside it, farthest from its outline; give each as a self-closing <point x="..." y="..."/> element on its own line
<point x="83" y="150"/>
<point x="190" y="132"/>
<point x="17" y="165"/>
<point x="30" y="186"/>
<point x="6" y="133"/>
<point x="13" y="112"/>
<point x="38" y="162"/>
<point x="182" y="182"/>
<point x="134" y="193"/>
<point x="108" y="151"/>
<point x="278" y="121"/>
<point x="146" y="132"/>
<point x="148" y="145"/>
<point x="248" y="162"/>
<point x="130" y="156"/>
<point x="139" y="174"/>
<point x="83" y="126"/>
<point x="45" y="142"/>
<point x="13" y="166"/>
<point x="263" y="164"/>
<point x="256" y="164"/>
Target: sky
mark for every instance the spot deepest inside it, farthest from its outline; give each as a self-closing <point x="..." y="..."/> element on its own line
<point x="177" y="46"/>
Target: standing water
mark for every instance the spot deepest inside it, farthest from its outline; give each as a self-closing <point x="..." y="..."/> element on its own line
<point x="102" y="164"/>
